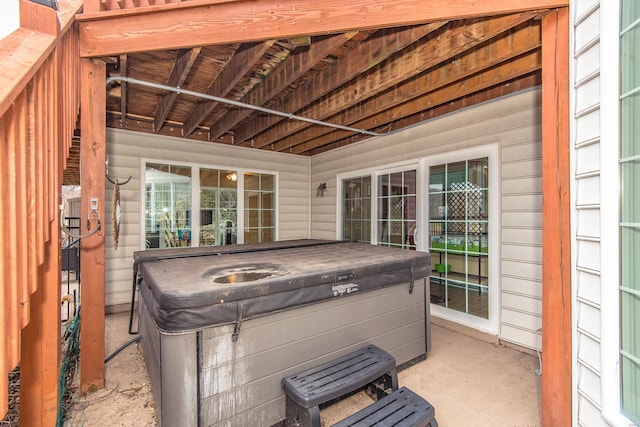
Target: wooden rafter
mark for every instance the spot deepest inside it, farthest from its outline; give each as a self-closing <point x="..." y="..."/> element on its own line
<point x="371" y="52"/>
<point x="507" y="88"/>
<point x="288" y="72"/>
<point x="243" y="60"/>
<point x="451" y="41"/>
<point x="392" y="117"/>
<point x="182" y="67"/>
<point x="434" y="86"/>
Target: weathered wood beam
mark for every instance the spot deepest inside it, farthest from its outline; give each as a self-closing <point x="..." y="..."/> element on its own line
<point x="513" y="44"/>
<point x="244" y="59"/>
<point x="379" y="47"/>
<point x="494" y="92"/>
<point x="92" y="259"/>
<point x="197" y="23"/>
<point x="123" y="88"/>
<point x="181" y="69"/>
<point x="291" y="69"/>
<point x="453" y="40"/>
<point x="463" y="87"/>
<point x="556" y="228"/>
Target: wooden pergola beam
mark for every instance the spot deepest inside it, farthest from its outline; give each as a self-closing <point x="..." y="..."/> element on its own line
<point x="198" y="23"/>
<point x="556" y="226"/>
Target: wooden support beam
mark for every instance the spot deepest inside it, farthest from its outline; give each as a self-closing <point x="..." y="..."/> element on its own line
<point x="556" y="227"/>
<point x="92" y="181"/>
<point x="181" y="69"/>
<point x="380" y="111"/>
<point x="201" y="22"/>
<point x="456" y="39"/>
<point x="243" y="60"/>
<point x="376" y="49"/>
<point x="292" y="68"/>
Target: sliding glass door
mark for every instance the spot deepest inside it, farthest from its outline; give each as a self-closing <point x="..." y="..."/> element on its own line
<point x="458" y="235"/>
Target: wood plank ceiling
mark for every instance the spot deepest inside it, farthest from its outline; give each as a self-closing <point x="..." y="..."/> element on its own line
<point x="377" y="80"/>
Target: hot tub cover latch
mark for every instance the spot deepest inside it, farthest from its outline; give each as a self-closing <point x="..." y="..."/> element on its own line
<point x="412" y="281"/>
<point x="236" y="329"/>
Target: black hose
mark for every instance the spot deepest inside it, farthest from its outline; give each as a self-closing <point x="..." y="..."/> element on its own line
<point x="122" y="347"/>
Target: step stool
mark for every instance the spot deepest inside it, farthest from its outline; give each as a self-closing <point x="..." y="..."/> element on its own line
<point x="401" y="408"/>
<point x="307" y="390"/>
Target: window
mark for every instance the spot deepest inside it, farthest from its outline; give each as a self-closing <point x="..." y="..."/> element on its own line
<point x="259" y="208"/>
<point x="218" y="207"/>
<point x="167" y="206"/>
<point x="396" y="214"/>
<point x="630" y="210"/>
<point x="458" y="235"/>
<point x="189" y="205"/>
<point x="356" y="213"/>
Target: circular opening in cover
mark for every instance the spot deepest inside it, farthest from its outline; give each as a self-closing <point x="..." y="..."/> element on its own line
<point x="249" y="273"/>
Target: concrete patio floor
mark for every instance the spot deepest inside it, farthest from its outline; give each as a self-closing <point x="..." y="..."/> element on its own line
<point x="470" y="381"/>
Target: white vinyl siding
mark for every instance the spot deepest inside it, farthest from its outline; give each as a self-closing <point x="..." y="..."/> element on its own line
<point x="513" y="123"/>
<point x="126" y="150"/>
<point x="595" y="73"/>
<point x="586" y="213"/>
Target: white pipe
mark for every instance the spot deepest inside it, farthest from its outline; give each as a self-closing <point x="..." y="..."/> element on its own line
<point x="239" y="104"/>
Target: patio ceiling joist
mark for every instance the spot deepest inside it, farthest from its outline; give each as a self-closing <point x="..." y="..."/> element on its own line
<point x="291" y="69"/>
<point x="412" y="61"/>
<point x="206" y="22"/>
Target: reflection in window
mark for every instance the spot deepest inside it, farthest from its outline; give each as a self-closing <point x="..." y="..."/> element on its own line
<point x="356" y="215"/>
<point x="167" y="206"/>
<point x="218" y="207"/>
<point x="397" y="209"/>
<point x="458" y="230"/>
<point x="259" y="207"/>
<point x="630" y="210"/>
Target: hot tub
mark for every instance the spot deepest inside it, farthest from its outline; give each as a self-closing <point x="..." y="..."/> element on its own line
<point x="222" y="326"/>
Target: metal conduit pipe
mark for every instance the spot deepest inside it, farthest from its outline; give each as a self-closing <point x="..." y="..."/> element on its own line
<point x="240" y="104"/>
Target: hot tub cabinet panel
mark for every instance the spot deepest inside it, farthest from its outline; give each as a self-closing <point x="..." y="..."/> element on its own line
<point x="201" y="376"/>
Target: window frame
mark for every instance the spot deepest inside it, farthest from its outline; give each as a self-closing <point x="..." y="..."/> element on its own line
<point x="491" y="151"/>
<point x="195" y="199"/>
<point x="610" y="70"/>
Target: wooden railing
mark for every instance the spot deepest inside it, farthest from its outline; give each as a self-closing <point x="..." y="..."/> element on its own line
<point x="39" y="104"/>
<point x="113" y="5"/>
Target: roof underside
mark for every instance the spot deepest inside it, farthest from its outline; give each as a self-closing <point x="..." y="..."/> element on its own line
<point x="377" y="80"/>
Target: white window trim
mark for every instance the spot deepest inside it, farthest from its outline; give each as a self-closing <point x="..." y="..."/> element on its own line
<point x="386" y="170"/>
<point x="195" y="199"/>
<point x="610" y="214"/>
<point x="492" y="153"/>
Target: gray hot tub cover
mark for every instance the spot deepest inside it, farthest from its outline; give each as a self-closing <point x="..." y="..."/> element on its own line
<point x="195" y="288"/>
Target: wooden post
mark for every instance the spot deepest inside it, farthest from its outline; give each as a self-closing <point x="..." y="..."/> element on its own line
<point x="92" y="180"/>
<point x="556" y="232"/>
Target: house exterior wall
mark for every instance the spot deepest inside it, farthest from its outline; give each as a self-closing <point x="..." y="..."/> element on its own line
<point x="586" y="146"/>
<point x="126" y="150"/>
<point x="595" y="205"/>
<point x="514" y="124"/>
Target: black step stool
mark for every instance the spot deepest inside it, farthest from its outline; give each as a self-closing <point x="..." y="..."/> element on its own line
<point x="401" y="408"/>
<point x="308" y="389"/>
